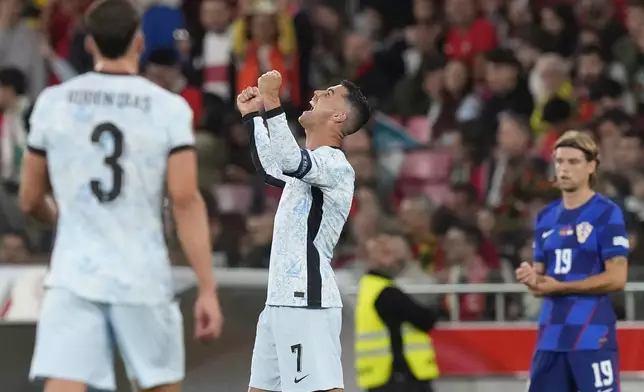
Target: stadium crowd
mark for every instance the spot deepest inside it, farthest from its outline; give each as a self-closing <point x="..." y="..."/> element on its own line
<point x="468" y="98"/>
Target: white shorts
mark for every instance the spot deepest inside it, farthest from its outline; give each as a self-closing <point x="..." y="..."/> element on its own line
<point x="297" y="350"/>
<point x="75" y="340"/>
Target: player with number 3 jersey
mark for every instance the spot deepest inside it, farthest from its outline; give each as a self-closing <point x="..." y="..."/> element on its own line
<point x="579" y="257"/>
<point x="109" y="143"/>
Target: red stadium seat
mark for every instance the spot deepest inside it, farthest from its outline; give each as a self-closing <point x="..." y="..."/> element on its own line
<point x="234" y="198"/>
<point x="419" y="129"/>
<point x="438" y="193"/>
<point x="426" y="166"/>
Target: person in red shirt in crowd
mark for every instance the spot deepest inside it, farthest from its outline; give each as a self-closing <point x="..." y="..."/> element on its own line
<point x="464" y="266"/>
<point x="468" y="36"/>
<point x="163" y="67"/>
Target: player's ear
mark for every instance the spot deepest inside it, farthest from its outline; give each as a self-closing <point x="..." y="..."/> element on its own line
<point x="138" y="43"/>
<point x="339" y="117"/>
<point x="90" y="45"/>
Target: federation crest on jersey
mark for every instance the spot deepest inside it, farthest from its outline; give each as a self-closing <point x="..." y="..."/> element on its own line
<point x="583" y="231"/>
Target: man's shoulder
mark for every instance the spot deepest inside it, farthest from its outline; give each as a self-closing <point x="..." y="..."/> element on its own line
<point x="547" y="213"/>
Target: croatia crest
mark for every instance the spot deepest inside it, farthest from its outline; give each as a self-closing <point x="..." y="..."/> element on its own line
<point x="583" y="231"/>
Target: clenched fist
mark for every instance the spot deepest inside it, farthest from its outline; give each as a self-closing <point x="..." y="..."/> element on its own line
<point x="249" y="100"/>
<point x="269" y="87"/>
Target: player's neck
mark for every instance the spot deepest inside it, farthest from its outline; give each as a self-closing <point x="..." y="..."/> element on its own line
<point x="578" y="198"/>
<point x="314" y="141"/>
<point x="117" y="66"/>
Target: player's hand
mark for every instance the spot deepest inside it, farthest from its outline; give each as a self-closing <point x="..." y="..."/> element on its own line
<point x="249" y="101"/>
<point x="526" y="274"/>
<point x="546" y="285"/>
<point x="269" y="86"/>
<point x="208" y="317"/>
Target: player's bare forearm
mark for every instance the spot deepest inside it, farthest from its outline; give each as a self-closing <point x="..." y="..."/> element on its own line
<point x="611" y="280"/>
<point x="192" y="229"/>
<point x="44" y="212"/>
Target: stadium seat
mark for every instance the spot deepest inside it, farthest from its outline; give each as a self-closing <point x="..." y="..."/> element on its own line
<point x="438" y="193"/>
<point x="234" y="198"/>
<point x="426" y="166"/>
<point x="419" y="129"/>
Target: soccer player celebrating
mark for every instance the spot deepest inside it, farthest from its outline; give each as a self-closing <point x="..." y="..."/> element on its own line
<point x="111" y="142"/>
<point x="580" y="249"/>
<point x="297" y="347"/>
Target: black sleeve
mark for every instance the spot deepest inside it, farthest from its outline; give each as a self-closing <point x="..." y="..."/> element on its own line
<point x="249" y="124"/>
<point x="394" y="306"/>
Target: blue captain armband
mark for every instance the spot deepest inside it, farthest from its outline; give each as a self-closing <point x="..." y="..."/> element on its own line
<point x="305" y="166"/>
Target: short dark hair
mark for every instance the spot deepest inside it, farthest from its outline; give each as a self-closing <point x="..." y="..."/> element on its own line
<point x="112" y="24"/>
<point x="166" y="57"/>
<point x="556" y="110"/>
<point x="360" y="110"/>
<point x="591" y="50"/>
<point x="15" y="79"/>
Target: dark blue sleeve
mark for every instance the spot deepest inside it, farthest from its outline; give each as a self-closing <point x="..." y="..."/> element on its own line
<point x="612" y="237"/>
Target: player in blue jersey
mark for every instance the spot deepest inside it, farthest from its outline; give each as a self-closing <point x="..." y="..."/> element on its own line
<point x="579" y="257"/>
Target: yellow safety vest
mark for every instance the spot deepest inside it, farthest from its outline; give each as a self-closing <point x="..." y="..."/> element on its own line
<point x="374" y="359"/>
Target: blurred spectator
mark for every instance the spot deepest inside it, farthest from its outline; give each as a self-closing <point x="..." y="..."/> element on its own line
<point x="362" y="67"/>
<point x="468" y="36"/>
<point x="13" y="136"/>
<point x="560" y="28"/>
<point x="629" y="50"/>
<point x="160" y="22"/>
<point x="215" y="55"/>
<point x="548" y="79"/>
<point x="20" y="46"/>
<point x="257" y="247"/>
<point x="459" y="91"/>
<point x="464" y="266"/>
<point x="14" y="248"/>
<point x="263" y="40"/>
<point x="508" y="91"/>
<point x="163" y="67"/>
<point x="414" y="215"/>
<point x="557" y="117"/>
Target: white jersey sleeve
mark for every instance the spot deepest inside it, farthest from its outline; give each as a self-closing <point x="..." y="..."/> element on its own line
<point x="39" y="122"/>
<point x="180" y="134"/>
<point x="262" y="152"/>
<point x="317" y="168"/>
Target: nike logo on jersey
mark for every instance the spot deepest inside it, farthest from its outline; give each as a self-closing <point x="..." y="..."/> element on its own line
<point x="297" y="380"/>
<point x="546" y="234"/>
<point x="606" y="390"/>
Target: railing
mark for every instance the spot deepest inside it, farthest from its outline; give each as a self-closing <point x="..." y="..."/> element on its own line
<point x="499" y="290"/>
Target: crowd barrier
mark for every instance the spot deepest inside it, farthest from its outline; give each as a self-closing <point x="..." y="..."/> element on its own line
<point x="474" y="357"/>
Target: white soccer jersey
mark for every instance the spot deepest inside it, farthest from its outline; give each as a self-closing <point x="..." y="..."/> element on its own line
<point x="318" y="192"/>
<point x="107" y="138"/>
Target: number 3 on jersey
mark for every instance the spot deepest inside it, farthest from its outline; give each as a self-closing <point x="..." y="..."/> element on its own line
<point x="563" y="261"/>
<point x="111" y="161"/>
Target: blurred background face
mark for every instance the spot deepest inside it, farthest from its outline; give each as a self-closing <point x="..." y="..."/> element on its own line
<point x="552" y="75"/>
<point x="456" y="74"/>
<point x="629" y="153"/>
<point x="460" y="12"/>
<point x="511" y="138"/>
<point x="589" y="67"/>
<point x="326" y="18"/>
<point x="550" y="21"/>
<point x="571" y="169"/>
<point x="423" y="10"/>
<point x="215" y="15"/>
<point x="414" y="216"/>
<point x="13" y="249"/>
<point x="635" y="20"/>
<point x="457" y="248"/>
<point x="500" y="78"/>
<point x="260" y="228"/>
<point x="388" y="252"/>
<point x="162" y="75"/>
<point x="433" y="83"/>
<point x="357" y="49"/>
<point x="363" y="165"/>
<point x="486" y="221"/>
<point x="263" y="29"/>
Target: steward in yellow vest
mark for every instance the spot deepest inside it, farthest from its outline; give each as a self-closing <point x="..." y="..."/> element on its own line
<point x="393" y="348"/>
